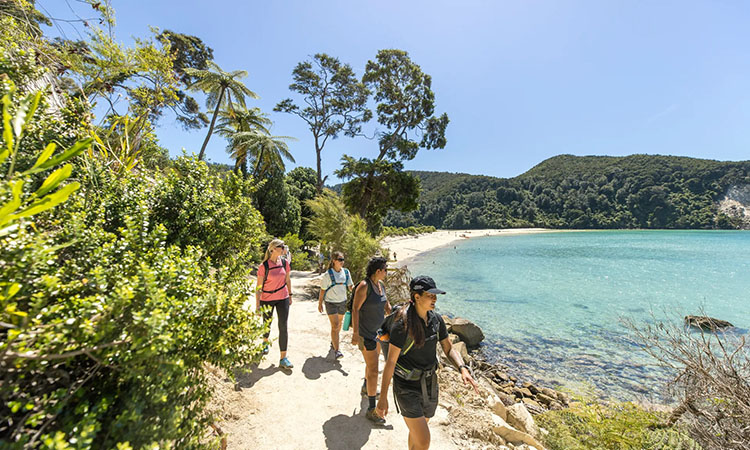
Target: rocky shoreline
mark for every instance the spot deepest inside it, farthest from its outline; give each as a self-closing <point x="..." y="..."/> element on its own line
<point x="502" y="415"/>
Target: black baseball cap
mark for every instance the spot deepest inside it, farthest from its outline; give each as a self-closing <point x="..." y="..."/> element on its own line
<point x="425" y="284"/>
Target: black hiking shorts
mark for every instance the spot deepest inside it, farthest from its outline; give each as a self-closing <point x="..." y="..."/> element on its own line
<point x="411" y="402"/>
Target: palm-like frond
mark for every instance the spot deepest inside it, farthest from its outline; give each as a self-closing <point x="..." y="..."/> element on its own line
<point x="219" y="87"/>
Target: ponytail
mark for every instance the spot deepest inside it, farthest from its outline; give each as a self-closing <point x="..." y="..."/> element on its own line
<point x="412" y="321"/>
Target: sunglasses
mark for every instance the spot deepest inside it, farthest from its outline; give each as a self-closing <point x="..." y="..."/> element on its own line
<point x="280" y="246"/>
<point x="340" y="259"/>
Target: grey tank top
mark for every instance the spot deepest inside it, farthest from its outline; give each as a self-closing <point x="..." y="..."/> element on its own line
<point x="372" y="312"/>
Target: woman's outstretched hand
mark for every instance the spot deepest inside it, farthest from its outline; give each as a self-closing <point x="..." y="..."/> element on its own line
<point x="468" y="379"/>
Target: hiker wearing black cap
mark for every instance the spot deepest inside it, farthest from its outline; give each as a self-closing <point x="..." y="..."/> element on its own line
<point x="412" y="360"/>
<point x="369" y="308"/>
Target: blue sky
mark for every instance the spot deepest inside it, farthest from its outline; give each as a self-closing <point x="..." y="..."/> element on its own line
<point x="520" y="80"/>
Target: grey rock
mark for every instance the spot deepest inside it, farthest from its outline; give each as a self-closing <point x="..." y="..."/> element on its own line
<point x="469" y="333"/>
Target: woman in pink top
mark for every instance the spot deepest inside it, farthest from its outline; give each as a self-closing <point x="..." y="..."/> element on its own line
<point x="275" y="288"/>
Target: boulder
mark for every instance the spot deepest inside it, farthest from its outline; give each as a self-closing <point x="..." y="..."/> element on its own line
<point x="520" y="418"/>
<point x="546" y="399"/>
<point x="510" y="434"/>
<point x="502" y="376"/>
<point x="498" y="407"/>
<point x="453" y="338"/>
<point x="448" y="322"/>
<point x="532" y="405"/>
<point x="534" y="390"/>
<point x="706" y="323"/>
<point x="469" y="333"/>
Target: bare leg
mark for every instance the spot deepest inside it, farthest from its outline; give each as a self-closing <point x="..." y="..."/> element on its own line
<point x="371" y="370"/>
<point x="419" y="433"/>
<point x="336" y="321"/>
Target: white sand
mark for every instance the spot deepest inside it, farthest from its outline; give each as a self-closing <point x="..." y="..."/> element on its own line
<point x="407" y="247"/>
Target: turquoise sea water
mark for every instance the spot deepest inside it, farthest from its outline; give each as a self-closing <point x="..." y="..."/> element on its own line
<point x="551" y="304"/>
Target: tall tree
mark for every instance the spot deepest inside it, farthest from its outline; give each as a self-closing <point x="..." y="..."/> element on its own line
<point x="406" y="108"/>
<point x="238" y="120"/>
<point x="187" y="52"/>
<point x="336" y="101"/>
<point x="219" y="87"/>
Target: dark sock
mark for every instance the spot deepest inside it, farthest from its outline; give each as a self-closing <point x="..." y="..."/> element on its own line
<point x="372" y="401"/>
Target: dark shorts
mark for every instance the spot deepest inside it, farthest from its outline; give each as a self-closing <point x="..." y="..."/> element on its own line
<point x="335" y="308"/>
<point x="367" y="344"/>
<point x="411" y="402"/>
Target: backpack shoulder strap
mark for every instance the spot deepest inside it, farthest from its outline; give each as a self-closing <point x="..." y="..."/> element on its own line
<point x="333" y="277"/>
<point x="348" y="281"/>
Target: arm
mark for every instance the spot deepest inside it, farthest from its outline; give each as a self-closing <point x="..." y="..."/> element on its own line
<point x="390" y="365"/>
<point x="320" y="299"/>
<point x="259" y="287"/>
<point x="388" y="308"/>
<point x="289" y="283"/>
<point x="359" y="298"/>
<point x="456" y="357"/>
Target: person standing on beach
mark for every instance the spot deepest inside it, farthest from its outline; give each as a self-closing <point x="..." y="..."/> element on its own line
<point x="274" y="292"/>
<point x="412" y="361"/>
<point x="368" y="311"/>
<point x="334" y="288"/>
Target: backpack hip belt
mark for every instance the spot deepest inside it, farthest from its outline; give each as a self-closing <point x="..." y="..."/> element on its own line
<point x="422" y="376"/>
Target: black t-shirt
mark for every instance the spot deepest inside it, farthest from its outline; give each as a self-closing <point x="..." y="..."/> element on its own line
<point x="425" y="357"/>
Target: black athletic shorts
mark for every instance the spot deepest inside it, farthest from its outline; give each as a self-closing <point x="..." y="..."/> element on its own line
<point x="411" y="402"/>
<point x="367" y="344"/>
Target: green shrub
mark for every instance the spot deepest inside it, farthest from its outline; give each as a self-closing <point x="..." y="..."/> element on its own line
<point x="589" y="424"/>
<point x="107" y="321"/>
<point x="213" y="212"/>
<point x="337" y="230"/>
<point x="407" y="231"/>
<point x="300" y="258"/>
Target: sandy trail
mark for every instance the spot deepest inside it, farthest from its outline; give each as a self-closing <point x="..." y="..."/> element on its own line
<point x="318" y="404"/>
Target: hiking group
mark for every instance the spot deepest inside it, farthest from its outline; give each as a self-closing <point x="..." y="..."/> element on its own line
<point x="406" y="334"/>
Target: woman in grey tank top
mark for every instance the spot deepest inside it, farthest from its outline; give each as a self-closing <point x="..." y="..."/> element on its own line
<point x="368" y="311"/>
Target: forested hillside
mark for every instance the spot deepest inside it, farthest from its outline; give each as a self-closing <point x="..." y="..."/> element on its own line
<point x="566" y="191"/>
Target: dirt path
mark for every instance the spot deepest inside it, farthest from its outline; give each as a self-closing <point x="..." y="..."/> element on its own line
<point x="318" y="404"/>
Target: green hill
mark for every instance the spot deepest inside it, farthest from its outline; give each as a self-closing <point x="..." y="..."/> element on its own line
<point x="566" y="191"/>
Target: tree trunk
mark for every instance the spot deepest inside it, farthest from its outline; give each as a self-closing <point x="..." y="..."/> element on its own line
<point x="257" y="164"/>
<point x="211" y="127"/>
<point x="320" y="174"/>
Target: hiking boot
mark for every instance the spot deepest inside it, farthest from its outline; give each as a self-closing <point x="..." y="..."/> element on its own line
<point x="373" y="417"/>
<point x="339" y="355"/>
<point x="285" y="364"/>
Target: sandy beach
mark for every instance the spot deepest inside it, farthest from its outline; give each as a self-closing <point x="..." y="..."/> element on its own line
<point x="407" y="247"/>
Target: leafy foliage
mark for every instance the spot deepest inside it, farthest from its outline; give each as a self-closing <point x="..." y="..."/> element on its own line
<point x="280" y="209"/>
<point x="336" y="230"/>
<point x="336" y="102"/>
<point x="619" y="426"/>
<point x="406" y="108"/>
<point x="301" y="182"/>
<point x="407" y="231"/>
<point x="219" y="87"/>
<point x="638" y="191"/>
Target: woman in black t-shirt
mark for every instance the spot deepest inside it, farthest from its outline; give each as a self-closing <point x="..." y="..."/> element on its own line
<point x="412" y="361"/>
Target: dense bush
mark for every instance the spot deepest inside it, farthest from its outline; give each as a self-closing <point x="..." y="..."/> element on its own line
<point x="335" y="229"/>
<point x="109" y="309"/>
<point x="589" y="425"/>
<point x="637" y="191"/>
<point x="407" y="231"/>
<point x="301" y="259"/>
